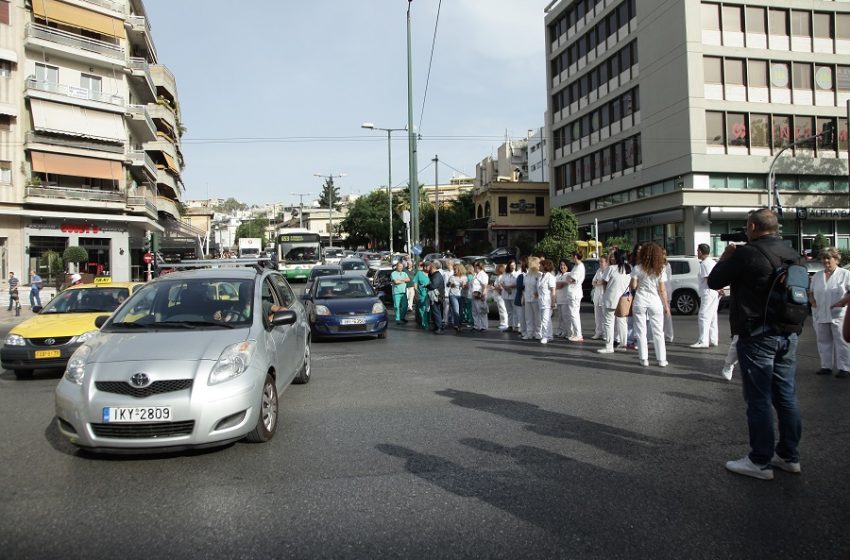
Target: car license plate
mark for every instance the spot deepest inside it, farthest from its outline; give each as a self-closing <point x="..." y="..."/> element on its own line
<point x="359" y="321"/>
<point x="40" y="354"/>
<point x="118" y="414"/>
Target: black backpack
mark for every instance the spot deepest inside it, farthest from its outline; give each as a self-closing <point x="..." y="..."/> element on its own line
<point x="787" y="304"/>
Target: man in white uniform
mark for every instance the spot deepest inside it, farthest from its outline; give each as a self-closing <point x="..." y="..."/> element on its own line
<point x="709" y="299"/>
<point x="574" y="295"/>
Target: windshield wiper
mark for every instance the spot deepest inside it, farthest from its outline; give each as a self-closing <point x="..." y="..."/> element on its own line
<point x="127" y="325"/>
<point x="189" y="324"/>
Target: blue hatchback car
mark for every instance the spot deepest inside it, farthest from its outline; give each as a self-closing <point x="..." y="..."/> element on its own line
<point x="345" y="306"/>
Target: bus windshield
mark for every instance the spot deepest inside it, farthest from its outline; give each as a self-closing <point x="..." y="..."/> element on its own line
<point x="301" y="253"/>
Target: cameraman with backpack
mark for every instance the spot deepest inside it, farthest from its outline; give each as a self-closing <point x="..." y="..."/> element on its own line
<point x="762" y="275"/>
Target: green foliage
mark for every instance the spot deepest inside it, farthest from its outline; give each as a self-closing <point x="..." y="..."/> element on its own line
<point x="560" y="241"/>
<point x="55" y="267"/>
<point x="845" y="256"/>
<point x="819" y="244"/>
<point x="328" y="190"/>
<point x="367" y="222"/>
<point x="230" y="206"/>
<point x="75" y="254"/>
<point x="620" y="241"/>
<point x="253" y="228"/>
<point x="525" y="242"/>
<point x="454" y="216"/>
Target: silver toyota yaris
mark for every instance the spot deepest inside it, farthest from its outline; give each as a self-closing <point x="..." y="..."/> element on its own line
<point x="193" y="358"/>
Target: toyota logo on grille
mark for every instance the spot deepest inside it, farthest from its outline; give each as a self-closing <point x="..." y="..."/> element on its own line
<point x="50" y="341"/>
<point x="140" y="379"/>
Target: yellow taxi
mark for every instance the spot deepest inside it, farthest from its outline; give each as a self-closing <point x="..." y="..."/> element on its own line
<point x="47" y="340"/>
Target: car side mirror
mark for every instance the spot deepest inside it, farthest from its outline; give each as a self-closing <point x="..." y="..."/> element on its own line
<point x="306" y="296"/>
<point x="286" y="317"/>
<point x="100" y="320"/>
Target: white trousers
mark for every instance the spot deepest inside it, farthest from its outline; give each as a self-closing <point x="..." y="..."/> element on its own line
<point x="545" y="330"/>
<point x="574" y="307"/>
<point x="410" y="293"/>
<point x="504" y="317"/>
<point x="834" y="352"/>
<point x="653" y="314"/>
<point x="532" y="319"/>
<point x="622" y="329"/>
<point x="563" y="313"/>
<point x="599" y="319"/>
<point x="479" y="314"/>
<point x="708" y="317"/>
<point x="519" y="319"/>
<point x="668" y="327"/>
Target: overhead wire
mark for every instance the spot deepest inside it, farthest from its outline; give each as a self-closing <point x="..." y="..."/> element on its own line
<point x="430" y="62"/>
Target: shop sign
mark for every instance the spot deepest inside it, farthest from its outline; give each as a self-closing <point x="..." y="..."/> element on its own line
<point x="79" y="228"/>
<point x="828" y="213"/>
<point x="522" y="207"/>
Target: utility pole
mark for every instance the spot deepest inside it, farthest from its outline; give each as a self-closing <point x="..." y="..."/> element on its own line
<point x="330" y="182"/>
<point x="301" y="208"/>
<point x="413" y="175"/>
<point x="436" y="161"/>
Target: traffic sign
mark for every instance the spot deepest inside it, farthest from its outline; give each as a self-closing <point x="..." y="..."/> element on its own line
<point x="148" y="258"/>
<point x="405" y="216"/>
<point x="417" y="249"/>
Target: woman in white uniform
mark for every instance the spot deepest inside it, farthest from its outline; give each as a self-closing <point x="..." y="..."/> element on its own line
<point x="561" y="296"/>
<point x="598" y="300"/>
<point x="574" y="295"/>
<point x="529" y="302"/>
<point x="545" y="297"/>
<point x="650" y="302"/>
<point x="829" y="296"/>
<point x="480" y="283"/>
<point x="616" y="284"/>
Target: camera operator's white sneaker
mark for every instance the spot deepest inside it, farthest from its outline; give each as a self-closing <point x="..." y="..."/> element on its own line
<point x="787" y="466"/>
<point x="747" y="468"/>
<point x="727" y="372"/>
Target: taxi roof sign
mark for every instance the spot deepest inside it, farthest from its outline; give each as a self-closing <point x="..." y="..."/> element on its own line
<point x="103" y="280"/>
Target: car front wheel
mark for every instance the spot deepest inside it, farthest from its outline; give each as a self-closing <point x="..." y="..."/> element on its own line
<point x="267" y="421"/>
<point x="685" y="302"/>
<point x="304" y="373"/>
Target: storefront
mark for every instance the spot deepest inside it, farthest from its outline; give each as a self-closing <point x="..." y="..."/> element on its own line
<point x="665" y="228"/>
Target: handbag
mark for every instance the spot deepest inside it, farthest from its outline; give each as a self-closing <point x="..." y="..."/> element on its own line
<point x="624" y="305"/>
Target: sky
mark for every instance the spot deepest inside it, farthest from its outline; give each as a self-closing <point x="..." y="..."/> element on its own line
<point x="276" y="91"/>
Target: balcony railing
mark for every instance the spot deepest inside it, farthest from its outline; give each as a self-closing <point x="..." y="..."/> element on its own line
<point x="139" y="22"/>
<point x="142" y="158"/>
<point x="75" y="92"/>
<point x="33" y="137"/>
<point x="141" y="65"/>
<point x="140" y="201"/>
<point x="64" y="193"/>
<point x="38" y="31"/>
<point x="140" y="112"/>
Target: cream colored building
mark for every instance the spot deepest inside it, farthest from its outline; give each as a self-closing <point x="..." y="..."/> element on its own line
<point x="667" y="116"/>
<point x="89" y="135"/>
<point x="319" y="220"/>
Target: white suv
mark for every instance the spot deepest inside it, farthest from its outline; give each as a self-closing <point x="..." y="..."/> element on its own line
<point x="683" y="286"/>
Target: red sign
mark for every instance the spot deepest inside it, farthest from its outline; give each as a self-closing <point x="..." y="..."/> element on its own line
<point x="148" y="258"/>
<point x="79" y="228"/>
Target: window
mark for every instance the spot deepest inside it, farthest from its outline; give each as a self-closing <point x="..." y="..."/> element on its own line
<point x="5" y="166"/>
<point x="638" y="154"/>
<point x="759" y="130"/>
<point x="45" y="73"/>
<point x="714" y="128"/>
<point x="627" y="104"/>
<point x="755" y="20"/>
<point x="823" y="124"/>
<point x="539" y="206"/>
<point x="842" y="78"/>
<point x="778" y="22"/>
<point x="803" y="128"/>
<point x="503" y="206"/>
<point x="284" y="290"/>
<point x="617" y="157"/>
<point x="91" y="83"/>
<point x="4" y="12"/>
<point x="5" y="68"/>
<point x="712" y="70"/>
<point x="823" y="25"/>
<point x="823" y="78"/>
<point x="779" y="74"/>
<point x="757" y="73"/>
<point x="781" y="131"/>
<point x="734" y="71"/>
<point x="801" y="24"/>
<point x="802" y="76"/>
<point x="732" y="18"/>
<point x="842" y="26"/>
<point x="711" y="17"/>
<point x="736" y="129"/>
<point x="629" y="153"/>
<point x="5" y="122"/>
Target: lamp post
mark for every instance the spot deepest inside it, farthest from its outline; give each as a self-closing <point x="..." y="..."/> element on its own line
<point x="411" y="140"/>
<point x="389" y="131"/>
<point x="330" y="178"/>
<point x="301" y="208"/>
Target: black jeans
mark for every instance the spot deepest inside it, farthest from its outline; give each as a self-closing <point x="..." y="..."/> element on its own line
<point x="437" y="314"/>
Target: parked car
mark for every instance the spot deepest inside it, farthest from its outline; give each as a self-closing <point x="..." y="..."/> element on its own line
<point x="345" y="306"/>
<point x="489" y="265"/>
<point x="374" y="260"/>
<point x="503" y="255"/>
<point x="322" y="270"/>
<point x="67" y="321"/>
<point x="814" y="267"/>
<point x="591" y="266"/>
<point x="179" y="366"/>
<point x="354" y="266"/>
<point x="380" y="279"/>
<point x="683" y="285"/>
<point x="438" y="256"/>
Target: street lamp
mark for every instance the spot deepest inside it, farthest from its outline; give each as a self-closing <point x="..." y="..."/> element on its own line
<point x="301" y="208"/>
<point x="389" y="131"/>
<point x="330" y="178"/>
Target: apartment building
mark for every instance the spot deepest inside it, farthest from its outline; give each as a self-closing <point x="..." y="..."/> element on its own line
<point x="89" y="136"/>
<point x="667" y="115"/>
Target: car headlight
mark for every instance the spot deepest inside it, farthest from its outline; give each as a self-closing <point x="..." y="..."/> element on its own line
<point x="378" y="308"/>
<point x="15" y="340"/>
<point x="234" y="360"/>
<point x="76" y="368"/>
<point x="322" y="310"/>
<point x="86" y="336"/>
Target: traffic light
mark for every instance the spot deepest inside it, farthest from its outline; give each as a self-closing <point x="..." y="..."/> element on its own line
<point x="155" y="240"/>
<point x="827" y="135"/>
<point x="146" y="244"/>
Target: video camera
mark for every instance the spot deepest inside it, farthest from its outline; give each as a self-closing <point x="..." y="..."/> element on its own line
<point x="738" y="236"/>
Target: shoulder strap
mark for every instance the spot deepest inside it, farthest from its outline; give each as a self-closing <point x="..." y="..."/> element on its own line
<point x="767" y="255"/>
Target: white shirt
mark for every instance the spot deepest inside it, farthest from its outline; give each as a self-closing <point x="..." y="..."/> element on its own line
<point x="508" y="283"/>
<point x="826" y="292"/>
<point x="561" y="294"/>
<point x="479" y="282"/>
<point x="577" y="274"/>
<point x="705" y="267"/>
<point x="453" y="285"/>
<point x="618" y="283"/>
<point x="530" y="287"/>
<point x="544" y="289"/>
<point x="646" y="294"/>
<point x="598" y="290"/>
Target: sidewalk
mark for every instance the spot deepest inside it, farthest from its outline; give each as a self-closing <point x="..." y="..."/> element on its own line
<point x="8" y="318"/>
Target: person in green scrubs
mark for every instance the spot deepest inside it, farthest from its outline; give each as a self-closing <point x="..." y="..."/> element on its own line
<point x="399" y="279"/>
<point x="421" y="281"/>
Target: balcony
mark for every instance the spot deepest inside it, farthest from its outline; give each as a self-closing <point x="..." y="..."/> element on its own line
<point x="52" y="39"/>
<point x="34" y="137"/>
<point x="142" y="166"/>
<point x="62" y="93"/>
<point x="166" y="180"/>
<point x="167" y="205"/>
<point x="163" y="112"/>
<point x="140" y="123"/>
<point x="87" y="198"/>
<point x="163" y="78"/>
<point x="162" y="145"/>
<point x="141" y="78"/>
<point x="109" y="5"/>
<point x="142" y="205"/>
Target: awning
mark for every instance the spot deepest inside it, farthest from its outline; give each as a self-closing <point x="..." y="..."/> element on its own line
<point x="74" y="16"/>
<point x="6" y="54"/>
<point x="8" y="109"/>
<point x="73" y="166"/>
<point x="74" y="120"/>
<point x="172" y="165"/>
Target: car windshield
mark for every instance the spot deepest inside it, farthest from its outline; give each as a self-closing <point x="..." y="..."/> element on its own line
<point x="333" y="252"/>
<point x="343" y="288"/>
<point x="87" y="300"/>
<point x="189" y="303"/>
<point x="353" y="265"/>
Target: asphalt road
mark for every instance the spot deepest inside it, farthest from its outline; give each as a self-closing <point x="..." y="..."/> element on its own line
<point x="472" y="446"/>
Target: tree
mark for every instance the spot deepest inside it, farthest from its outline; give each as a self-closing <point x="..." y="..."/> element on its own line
<point x="619" y="241"/>
<point x="367" y="222"/>
<point x="252" y="228"/>
<point x="75" y="254"/>
<point x="329" y="190"/>
<point x="55" y="267"/>
<point x="819" y="243"/>
<point x="230" y="206"/>
<point x="560" y="240"/>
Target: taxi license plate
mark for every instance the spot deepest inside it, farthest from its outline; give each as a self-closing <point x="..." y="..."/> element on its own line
<point x="40" y="354"/>
<point x="360" y="321"/>
<point x="118" y="414"/>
